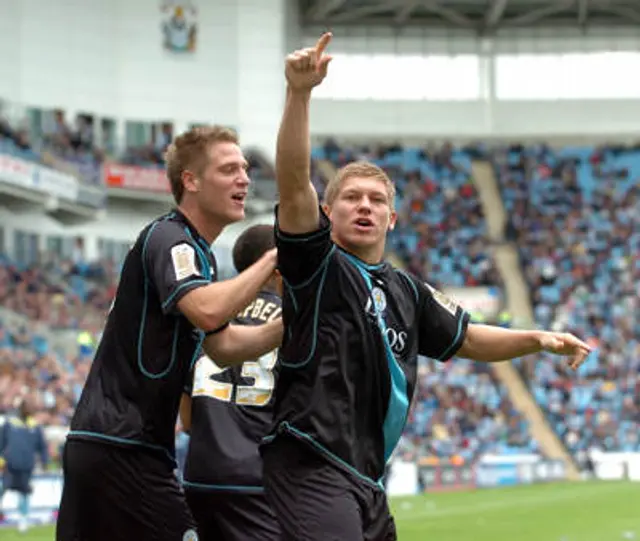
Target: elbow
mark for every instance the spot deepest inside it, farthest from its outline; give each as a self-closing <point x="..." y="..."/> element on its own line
<point x="208" y="317"/>
<point x="218" y="347"/>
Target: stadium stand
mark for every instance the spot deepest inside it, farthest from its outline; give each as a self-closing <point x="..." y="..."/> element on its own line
<point x="573" y="215"/>
<point x="441" y="230"/>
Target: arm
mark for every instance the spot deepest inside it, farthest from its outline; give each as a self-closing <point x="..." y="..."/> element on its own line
<point x="238" y="343"/>
<point x="492" y="344"/>
<point x="179" y="270"/>
<point x="212" y="306"/>
<point x="185" y="412"/>
<point x="298" y="201"/>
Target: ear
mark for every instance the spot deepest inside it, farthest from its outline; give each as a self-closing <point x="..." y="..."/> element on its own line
<point x="393" y="218"/>
<point x="190" y="181"/>
<point x="327" y="209"/>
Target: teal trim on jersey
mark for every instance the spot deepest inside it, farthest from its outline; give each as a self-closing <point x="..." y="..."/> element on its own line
<point x="224" y="488"/>
<point x="303" y="435"/>
<point x="125" y="441"/>
<point x="325" y="261"/>
<point x="445" y="354"/>
<point x="324" y="267"/>
<point x="204" y="262"/>
<point x="180" y="288"/>
<point x="361" y="264"/>
<point x="194" y="357"/>
<point x="208" y="277"/>
<point x="143" y="318"/>
<point x="289" y="289"/>
<point x="411" y="282"/>
<point x="398" y="406"/>
<point x="206" y="270"/>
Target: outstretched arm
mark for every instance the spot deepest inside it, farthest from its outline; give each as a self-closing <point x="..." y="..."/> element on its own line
<point x="445" y="332"/>
<point x="298" y="205"/>
<point x="487" y="343"/>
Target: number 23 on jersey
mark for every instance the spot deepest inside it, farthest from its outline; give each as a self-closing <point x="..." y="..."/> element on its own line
<point x="257" y="394"/>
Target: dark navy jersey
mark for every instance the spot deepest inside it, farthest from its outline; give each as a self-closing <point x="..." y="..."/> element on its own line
<point x="353" y="334"/>
<point x="231" y="411"/>
<point x="133" y="390"/>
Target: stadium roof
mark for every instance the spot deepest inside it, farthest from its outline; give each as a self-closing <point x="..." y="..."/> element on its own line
<point x="481" y="16"/>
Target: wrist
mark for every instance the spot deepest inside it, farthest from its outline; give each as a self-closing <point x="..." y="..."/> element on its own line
<point x="538" y="340"/>
<point x="304" y="93"/>
<point x="271" y="260"/>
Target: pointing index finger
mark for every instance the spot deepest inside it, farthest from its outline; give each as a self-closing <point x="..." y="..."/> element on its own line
<point x="322" y="43"/>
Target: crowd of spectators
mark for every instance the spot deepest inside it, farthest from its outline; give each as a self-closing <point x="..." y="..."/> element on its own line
<point x="52" y="316"/>
<point x="80" y="147"/>
<point x="574" y="214"/>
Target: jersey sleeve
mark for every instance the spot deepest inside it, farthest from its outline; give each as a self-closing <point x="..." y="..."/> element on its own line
<point x="300" y="256"/>
<point x="442" y="323"/>
<point x="173" y="264"/>
<point x="188" y="384"/>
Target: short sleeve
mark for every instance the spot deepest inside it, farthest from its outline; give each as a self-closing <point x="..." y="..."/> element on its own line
<point x="300" y="256"/>
<point x="442" y="323"/>
<point x="174" y="264"/>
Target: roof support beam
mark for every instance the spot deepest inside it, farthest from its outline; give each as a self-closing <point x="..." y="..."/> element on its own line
<point x="535" y="15"/>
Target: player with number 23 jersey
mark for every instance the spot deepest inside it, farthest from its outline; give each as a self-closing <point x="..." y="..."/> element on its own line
<point x="230" y="411"/>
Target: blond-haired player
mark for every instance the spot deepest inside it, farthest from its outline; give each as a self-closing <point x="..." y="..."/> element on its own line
<point x="354" y="327"/>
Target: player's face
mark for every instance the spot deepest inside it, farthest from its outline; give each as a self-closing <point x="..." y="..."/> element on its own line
<point x="361" y="214"/>
<point x="224" y="184"/>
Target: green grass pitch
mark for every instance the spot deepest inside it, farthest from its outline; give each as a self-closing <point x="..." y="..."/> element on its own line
<point x="588" y="511"/>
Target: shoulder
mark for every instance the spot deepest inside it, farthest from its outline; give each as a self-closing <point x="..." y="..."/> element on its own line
<point x="164" y="231"/>
<point x="408" y="281"/>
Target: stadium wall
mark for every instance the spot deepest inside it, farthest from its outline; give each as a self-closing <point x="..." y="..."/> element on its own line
<point x="405" y="478"/>
<point x="108" y="59"/>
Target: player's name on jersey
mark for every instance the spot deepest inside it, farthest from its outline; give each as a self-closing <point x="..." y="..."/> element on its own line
<point x="261" y="310"/>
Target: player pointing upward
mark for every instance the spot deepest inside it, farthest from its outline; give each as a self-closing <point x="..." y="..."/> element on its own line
<point x="354" y="327"/>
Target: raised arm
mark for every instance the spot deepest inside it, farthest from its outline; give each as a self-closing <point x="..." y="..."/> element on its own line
<point x="298" y="205"/>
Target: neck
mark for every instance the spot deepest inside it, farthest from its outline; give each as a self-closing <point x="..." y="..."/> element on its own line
<point x="208" y="229"/>
<point x="371" y="255"/>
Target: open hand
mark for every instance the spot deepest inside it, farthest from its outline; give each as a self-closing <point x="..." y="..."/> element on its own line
<point x="307" y="68"/>
<point x="565" y="344"/>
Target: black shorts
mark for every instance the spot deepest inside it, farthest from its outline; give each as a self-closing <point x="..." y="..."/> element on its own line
<point x="111" y="493"/>
<point x="316" y="501"/>
<point x="225" y="516"/>
<point x="18" y="480"/>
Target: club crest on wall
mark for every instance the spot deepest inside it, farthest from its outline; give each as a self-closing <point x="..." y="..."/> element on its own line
<point x="179" y="25"/>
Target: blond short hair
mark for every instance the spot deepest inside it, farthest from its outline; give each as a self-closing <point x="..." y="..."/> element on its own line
<point x="189" y="152"/>
<point x="360" y="169"/>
